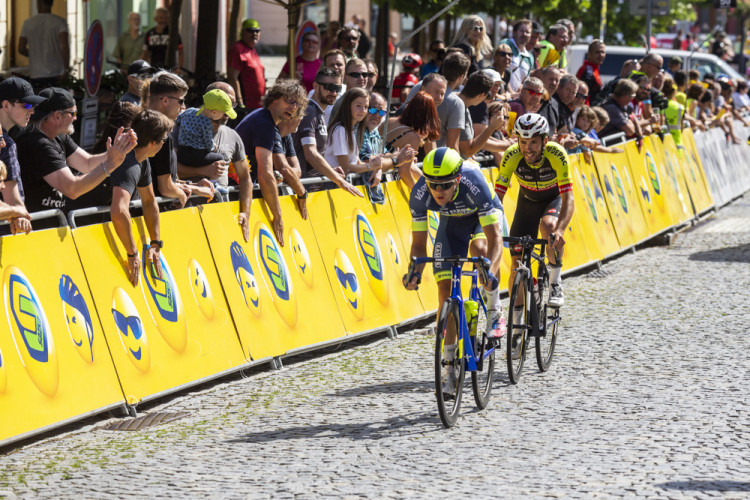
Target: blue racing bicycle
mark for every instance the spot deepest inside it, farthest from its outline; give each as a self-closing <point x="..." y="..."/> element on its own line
<point x="461" y="343"/>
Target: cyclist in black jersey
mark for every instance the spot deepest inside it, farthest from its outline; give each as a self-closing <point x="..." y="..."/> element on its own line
<point x="545" y="197"/>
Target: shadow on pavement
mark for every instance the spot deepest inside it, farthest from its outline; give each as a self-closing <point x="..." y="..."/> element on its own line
<point x="707" y="485"/>
<point x="739" y="253"/>
<point x="382" y="429"/>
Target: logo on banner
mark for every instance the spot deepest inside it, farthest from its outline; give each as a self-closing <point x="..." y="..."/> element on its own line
<point x="245" y="277"/>
<point x="693" y="167"/>
<point x="348" y="283"/>
<point x="30" y="331"/>
<point x="201" y="289"/>
<point x="301" y="257"/>
<point x="653" y="175"/>
<point x="619" y="188"/>
<point x="3" y="375"/>
<point x="589" y="197"/>
<point x="276" y="277"/>
<point x="130" y="328"/>
<point x="165" y="297"/>
<point x="645" y="193"/>
<point x="369" y="256"/>
<point x="394" y="253"/>
<point x="77" y="318"/>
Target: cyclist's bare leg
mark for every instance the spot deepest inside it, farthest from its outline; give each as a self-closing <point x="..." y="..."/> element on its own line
<point x="444" y="291"/>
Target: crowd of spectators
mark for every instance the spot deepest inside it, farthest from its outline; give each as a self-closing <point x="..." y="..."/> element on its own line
<point x="326" y="121"/>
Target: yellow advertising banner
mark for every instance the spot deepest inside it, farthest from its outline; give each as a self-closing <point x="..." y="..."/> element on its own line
<point x="163" y="333"/>
<point x="55" y="364"/>
<point x="397" y="195"/>
<point x="688" y="159"/>
<point x="620" y="195"/>
<point x="650" y="185"/>
<point x="357" y="240"/>
<point x="590" y="205"/>
<point x="277" y="294"/>
<point x="677" y="175"/>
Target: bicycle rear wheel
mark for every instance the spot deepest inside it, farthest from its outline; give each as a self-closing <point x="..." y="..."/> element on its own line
<point x="449" y="365"/>
<point x="481" y="381"/>
<point x="518" y="331"/>
<point x="545" y="345"/>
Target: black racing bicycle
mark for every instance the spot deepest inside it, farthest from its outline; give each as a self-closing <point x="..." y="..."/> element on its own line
<point x="530" y="316"/>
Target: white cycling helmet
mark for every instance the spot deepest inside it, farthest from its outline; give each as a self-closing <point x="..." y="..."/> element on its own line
<point x="531" y="125"/>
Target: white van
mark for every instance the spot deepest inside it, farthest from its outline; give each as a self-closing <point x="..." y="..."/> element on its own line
<point x="616" y="56"/>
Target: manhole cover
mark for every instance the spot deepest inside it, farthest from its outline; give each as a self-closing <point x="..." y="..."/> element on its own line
<point x="150" y="420"/>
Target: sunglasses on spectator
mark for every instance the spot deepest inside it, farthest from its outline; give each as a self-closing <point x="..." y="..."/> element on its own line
<point x="440" y="186"/>
<point x="252" y="30"/>
<point x="533" y="93"/>
<point x="507" y="54"/>
<point x="357" y="74"/>
<point x="164" y="139"/>
<point x="376" y="111"/>
<point x="291" y="102"/>
<point x="25" y="105"/>
<point x="330" y="87"/>
<point x="71" y="113"/>
<point x="478" y="28"/>
<point x="581" y="96"/>
<point x="351" y="38"/>
<point x="179" y="100"/>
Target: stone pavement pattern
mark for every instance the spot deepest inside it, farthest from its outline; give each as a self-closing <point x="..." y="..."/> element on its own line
<point x="646" y="397"/>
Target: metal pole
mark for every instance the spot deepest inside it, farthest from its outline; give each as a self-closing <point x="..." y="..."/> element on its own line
<point x="389" y="89"/>
<point x="649" y="4"/>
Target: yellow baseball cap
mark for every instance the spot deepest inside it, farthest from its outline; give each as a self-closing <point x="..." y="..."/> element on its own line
<point x="218" y="100"/>
<point x="250" y="24"/>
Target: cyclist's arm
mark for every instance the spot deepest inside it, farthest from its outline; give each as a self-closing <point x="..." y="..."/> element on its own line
<point x="494" y="235"/>
<point x="418" y="249"/>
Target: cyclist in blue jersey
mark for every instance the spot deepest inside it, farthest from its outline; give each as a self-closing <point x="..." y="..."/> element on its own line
<point x="470" y="213"/>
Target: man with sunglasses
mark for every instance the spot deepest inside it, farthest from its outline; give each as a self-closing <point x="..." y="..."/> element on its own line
<point x="356" y="75"/>
<point x="46" y="153"/>
<point x="312" y="133"/>
<point x="437" y="53"/>
<point x="245" y="72"/>
<point x="471" y="218"/>
<point x="138" y="72"/>
<point x="17" y="101"/>
<point x="348" y="38"/>
<point x="545" y="197"/>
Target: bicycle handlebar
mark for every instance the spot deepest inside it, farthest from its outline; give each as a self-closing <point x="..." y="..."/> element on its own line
<point x="482" y="263"/>
<point x="529" y="242"/>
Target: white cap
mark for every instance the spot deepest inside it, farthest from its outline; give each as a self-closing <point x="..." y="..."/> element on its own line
<point x="493" y="74"/>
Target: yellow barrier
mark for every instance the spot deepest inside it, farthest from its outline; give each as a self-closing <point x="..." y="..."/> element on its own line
<point x="677" y="197"/>
<point x="167" y="333"/>
<point x="591" y="210"/>
<point x="622" y="200"/>
<point x="54" y="361"/>
<point x="397" y="195"/>
<point x="649" y="182"/>
<point x="356" y="239"/>
<point x="695" y="176"/>
<point x="277" y="295"/>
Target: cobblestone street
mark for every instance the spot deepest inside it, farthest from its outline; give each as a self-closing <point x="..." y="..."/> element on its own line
<point x="647" y="396"/>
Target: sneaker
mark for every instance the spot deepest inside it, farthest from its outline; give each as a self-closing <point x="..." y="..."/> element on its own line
<point x="495" y="324"/>
<point x="449" y="383"/>
<point x="556" y="296"/>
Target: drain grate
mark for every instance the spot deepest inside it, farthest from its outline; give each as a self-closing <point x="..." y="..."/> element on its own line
<point x="600" y="273"/>
<point x="150" y="420"/>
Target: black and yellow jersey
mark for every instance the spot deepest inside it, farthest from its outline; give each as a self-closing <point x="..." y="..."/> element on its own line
<point x="540" y="182"/>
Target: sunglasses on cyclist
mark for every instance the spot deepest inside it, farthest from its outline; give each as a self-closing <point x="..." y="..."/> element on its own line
<point x="440" y="186"/>
<point x="376" y="111"/>
<point x="330" y="87"/>
<point x="357" y="74"/>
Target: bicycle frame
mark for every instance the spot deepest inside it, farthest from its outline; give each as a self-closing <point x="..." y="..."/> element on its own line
<point x="472" y="363"/>
<point x="538" y="328"/>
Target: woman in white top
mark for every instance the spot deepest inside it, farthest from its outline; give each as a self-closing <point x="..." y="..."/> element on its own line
<point x="346" y="132"/>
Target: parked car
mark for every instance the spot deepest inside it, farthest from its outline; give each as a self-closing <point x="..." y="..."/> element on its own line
<point x="616" y="56"/>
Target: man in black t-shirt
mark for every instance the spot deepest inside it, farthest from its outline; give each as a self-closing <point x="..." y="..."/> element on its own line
<point x="46" y="152"/>
<point x="152" y="129"/>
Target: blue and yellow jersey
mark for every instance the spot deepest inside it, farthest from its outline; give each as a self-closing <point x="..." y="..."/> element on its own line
<point x="541" y="182"/>
<point x="473" y="196"/>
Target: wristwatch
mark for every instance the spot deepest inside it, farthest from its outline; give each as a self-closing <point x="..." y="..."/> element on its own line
<point x="158" y="243"/>
<point x="302" y="196"/>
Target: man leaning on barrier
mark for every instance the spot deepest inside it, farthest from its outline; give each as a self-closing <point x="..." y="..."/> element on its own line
<point x="152" y="129"/>
<point x="46" y="153"/>
<point x="17" y="101"/>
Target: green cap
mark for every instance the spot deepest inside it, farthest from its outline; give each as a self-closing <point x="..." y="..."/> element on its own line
<point x="218" y="100"/>
<point x="251" y="24"/>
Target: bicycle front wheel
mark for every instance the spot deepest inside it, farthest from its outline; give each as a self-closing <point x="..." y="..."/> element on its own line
<point x="481" y="380"/>
<point x="449" y="365"/>
<point x="518" y="327"/>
